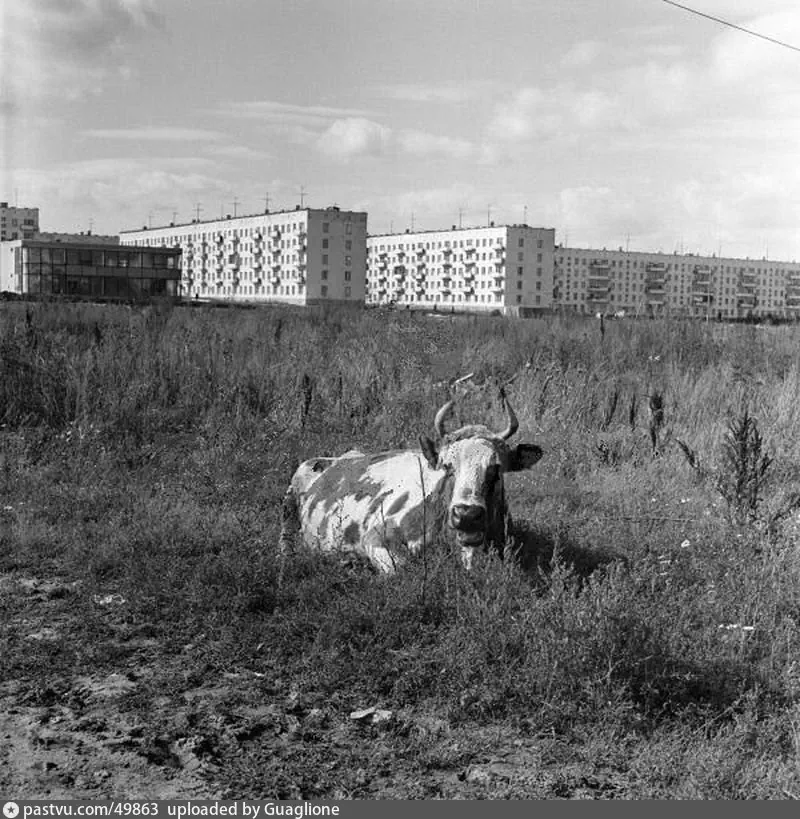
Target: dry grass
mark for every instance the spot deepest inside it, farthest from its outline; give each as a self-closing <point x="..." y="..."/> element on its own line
<point x="148" y="459"/>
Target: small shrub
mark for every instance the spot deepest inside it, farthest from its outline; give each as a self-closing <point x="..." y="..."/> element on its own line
<point x="744" y="469"/>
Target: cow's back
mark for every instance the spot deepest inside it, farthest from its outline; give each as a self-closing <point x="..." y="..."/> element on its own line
<point x="382" y="505"/>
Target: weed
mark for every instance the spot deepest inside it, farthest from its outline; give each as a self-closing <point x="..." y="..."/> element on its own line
<point x="744" y="469"/>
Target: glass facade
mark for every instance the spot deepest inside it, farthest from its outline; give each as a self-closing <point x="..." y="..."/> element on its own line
<point x="101" y="273"/>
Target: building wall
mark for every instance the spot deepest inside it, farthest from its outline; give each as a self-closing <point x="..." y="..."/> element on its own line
<point x="507" y="268"/>
<point x="98" y="270"/>
<point x="590" y="281"/>
<point x="18" y="223"/>
<point x="273" y="257"/>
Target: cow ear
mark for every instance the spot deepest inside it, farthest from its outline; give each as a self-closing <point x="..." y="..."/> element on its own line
<point x="523" y="456"/>
<point x="429" y="451"/>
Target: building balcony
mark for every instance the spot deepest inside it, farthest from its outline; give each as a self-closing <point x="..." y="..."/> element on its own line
<point x="655" y="267"/>
<point x="500" y="249"/>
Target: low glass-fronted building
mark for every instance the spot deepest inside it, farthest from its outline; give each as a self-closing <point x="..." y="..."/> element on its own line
<point x="89" y="267"/>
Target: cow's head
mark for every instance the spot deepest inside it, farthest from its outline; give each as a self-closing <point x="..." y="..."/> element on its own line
<point x="476" y="459"/>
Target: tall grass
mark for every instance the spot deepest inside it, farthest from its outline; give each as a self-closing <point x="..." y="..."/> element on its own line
<point x="146" y="451"/>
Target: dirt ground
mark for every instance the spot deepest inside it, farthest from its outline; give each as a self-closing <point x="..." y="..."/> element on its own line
<point x="153" y="727"/>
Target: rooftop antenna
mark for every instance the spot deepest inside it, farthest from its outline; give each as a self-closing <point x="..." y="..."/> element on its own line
<point x="489" y="215"/>
<point x="524" y="214"/>
<point x="197" y="208"/>
<point x="91" y="224"/>
<point x="460" y="214"/>
<point x="174" y="215"/>
<point x="266" y="202"/>
<point x="391" y="226"/>
<point x="302" y="196"/>
<point x="627" y="242"/>
<point x="235" y="204"/>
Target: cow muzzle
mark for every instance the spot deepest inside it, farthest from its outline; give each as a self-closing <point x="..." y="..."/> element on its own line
<point x="469" y="523"/>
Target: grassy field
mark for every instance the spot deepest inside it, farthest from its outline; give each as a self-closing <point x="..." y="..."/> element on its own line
<point x="644" y="645"/>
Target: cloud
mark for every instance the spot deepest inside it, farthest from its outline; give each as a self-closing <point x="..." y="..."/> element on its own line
<point x="271" y="112"/>
<point x="69" y="48"/>
<point x="452" y="93"/>
<point x="433" y="208"/>
<point x="420" y="143"/>
<point x="149" y="134"/>
<point x="127" y="187"/>
<point x="354" y="137"/>
<point x="236" y="152"/>
<point x="691" y="214"/>
<point x="358" y="138"/>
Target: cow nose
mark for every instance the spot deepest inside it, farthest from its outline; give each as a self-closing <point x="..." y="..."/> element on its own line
<point x="467" y="518"/>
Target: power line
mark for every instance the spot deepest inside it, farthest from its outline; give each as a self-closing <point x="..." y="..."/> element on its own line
<point x="732" y="25"/>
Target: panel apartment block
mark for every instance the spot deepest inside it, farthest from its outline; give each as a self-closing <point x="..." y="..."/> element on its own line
<point x="303" y="256"/>
<point x="661" y="284"/>
<point x="507" y="269"/>
<point x="18" y="223"/>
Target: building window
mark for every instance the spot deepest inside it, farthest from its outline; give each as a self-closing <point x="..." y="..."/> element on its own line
<point x="347" y="275"/>
<point x="521" y="243"/>
<point x="325" y="243"/>
<point x="519" y="271"/>
<point x="347" y="292"/>
<point x="324" y="258"/>
<point x="348" y="227"/>
<point x="323" y="291"/>
<point x="326" y="227"/>
<point x="348" y="260"/>
<point x="519" y="285"/>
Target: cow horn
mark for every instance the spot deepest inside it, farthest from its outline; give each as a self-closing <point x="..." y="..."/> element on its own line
<point x="513" y="423"/>
<point x="438" y="422"/>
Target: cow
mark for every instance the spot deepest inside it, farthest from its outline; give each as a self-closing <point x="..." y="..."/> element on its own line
<point x="391" y="504"/>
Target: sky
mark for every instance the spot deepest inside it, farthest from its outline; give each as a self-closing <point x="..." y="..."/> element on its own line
<point x="620" y="123"/>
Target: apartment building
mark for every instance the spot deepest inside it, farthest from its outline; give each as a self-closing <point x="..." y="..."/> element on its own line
<point x="92" y="267"/>
<point x="507" y="268"/>
<point x="18" y="223"/>
<point x="660" y="284"/>
<point x="302" y="256"/>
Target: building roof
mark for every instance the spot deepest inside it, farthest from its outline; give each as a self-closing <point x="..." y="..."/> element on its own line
<point x="228" y="218"/>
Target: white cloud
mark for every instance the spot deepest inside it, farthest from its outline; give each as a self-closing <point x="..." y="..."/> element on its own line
<point x="354" y="137"/>
<point x="150" y="134"/>
<point x="452" y="93"/>
<point x="129" y="188"/>
<point x="420" y="143"/>
<point x="69" y="48"/>
<point x="236" y="152"/>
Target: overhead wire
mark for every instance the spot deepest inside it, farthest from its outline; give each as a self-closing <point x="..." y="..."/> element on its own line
<point x="732" y="25"/>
